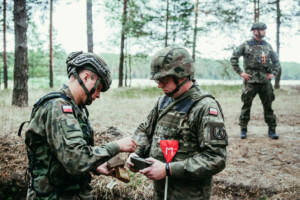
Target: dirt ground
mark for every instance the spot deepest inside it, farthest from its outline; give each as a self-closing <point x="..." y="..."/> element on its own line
<point x="257" y="167"/>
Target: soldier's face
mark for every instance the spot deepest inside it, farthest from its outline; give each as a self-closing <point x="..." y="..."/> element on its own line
<point x="166" y="84"/>
<point x="96" y="94"/>
<point x="89" y="84"/>
<point x="259" y="33"/>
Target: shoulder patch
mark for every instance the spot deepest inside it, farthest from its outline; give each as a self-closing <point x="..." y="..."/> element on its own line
<point x="215" y="134"/>
<point x="67" y="109"/>
<point x="219" y="133"/>
<point x="213" y="111"/>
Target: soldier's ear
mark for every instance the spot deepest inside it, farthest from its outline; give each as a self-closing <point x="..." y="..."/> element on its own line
<point x="85" y="76"/>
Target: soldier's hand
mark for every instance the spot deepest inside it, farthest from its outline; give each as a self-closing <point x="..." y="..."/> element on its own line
<point x="127" y="144"/>
<point x="270" y="76"/>
<point x="129" y="164"/>
<point x="246" y="76"/>
<point x="156" y="171"/>
<point x="102" y="169"/>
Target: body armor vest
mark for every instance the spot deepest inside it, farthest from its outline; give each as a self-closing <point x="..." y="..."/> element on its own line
<point x="257" y="56"/>
<point x="174" y="125"/>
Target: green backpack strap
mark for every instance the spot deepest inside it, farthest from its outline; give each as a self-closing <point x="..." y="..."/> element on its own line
<point x="21" y="127"/>
<point x="47" y="97"/>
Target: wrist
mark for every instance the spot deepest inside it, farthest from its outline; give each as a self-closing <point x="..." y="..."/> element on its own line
<point x="168" y="173"/>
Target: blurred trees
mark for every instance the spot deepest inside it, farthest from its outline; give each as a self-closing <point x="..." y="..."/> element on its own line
<point x="20" y="91"/>
<point x="89" y="24"/>
<point x="4" y="47"/>
<point x="51" y="46"/>
<point x="146" y="26"/>
<point x="124" y="19"/>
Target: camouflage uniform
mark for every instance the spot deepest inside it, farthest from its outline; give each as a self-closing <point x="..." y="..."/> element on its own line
<point x="259" y="60"/>
<point x="62" y="151"/>
<point x="60" y="147"/>
<point x="195" y="120"/>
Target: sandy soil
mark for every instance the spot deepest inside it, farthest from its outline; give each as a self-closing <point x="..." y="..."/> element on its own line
<point x="257" y="168"/>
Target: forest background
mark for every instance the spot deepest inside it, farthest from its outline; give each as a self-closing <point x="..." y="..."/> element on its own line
<point x="38" y="35"/>
<point x="209" y="29"/>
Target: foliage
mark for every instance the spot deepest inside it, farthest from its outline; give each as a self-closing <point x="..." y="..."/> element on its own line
<point x="145" y="30"/>
<point x="180" y="24"/>
<point x="205" y="68"/>
<point x="290" y="71"/>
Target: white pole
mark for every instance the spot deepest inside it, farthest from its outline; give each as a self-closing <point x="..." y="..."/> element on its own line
<point x="166" y="187"/>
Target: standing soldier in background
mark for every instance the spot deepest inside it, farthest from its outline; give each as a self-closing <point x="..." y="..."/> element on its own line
<point x="189" y="115"/>
<point x="60" y="140"/>
<point x="261" y="64"/>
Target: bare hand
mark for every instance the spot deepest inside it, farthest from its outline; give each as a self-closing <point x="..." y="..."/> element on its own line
<point x="129" y="164"/>
<point x="156" y="171"/>
<point x="246" y="76"/>
<point x="127" y="144"/>
<point x="102" y="169"/>
<point x="270" y="76"/>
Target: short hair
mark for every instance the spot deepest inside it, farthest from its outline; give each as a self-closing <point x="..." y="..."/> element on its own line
<point x="92" y="74"/>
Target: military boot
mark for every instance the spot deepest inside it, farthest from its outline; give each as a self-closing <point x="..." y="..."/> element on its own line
<point x="243" y="133"/>
<point x="272" y="134"/>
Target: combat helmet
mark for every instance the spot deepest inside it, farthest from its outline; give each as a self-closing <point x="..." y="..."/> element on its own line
<point x="79" y="60"/>
<point x="175" y="62"/>
<point x="258" y="25"/>
<point x="172" y="61"/>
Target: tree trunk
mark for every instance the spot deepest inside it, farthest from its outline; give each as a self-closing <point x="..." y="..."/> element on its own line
<point x="130" y="68"/>
<point x="20" y="91"/>
<point x="125" y="62"/>
<point x="167" y="23"/>
<point x="122" y="44"/>
<point x="4" y="46"/>
<point x="195" y="30"/>
<point x="51" y="49"/>
<point x="89" y="23"/>
<point x="256" y="10"/>
<point x="277" y="78"/>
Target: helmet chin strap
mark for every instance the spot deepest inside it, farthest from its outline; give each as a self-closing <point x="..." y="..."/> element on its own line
<point x="170" y="94"/>
<point x="88" y="93"/>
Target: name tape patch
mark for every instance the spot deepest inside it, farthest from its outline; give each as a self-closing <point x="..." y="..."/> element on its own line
<point x="67" y="109"/>
<point x="213" y="111"/>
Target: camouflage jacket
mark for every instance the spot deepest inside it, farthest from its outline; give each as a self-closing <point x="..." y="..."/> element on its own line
<point x="61" y="149"/>
<point x="259" y="60"/>
<point x="196" y="121"/>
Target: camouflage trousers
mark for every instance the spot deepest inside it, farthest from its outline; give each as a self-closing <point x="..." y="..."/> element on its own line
<point x="266" y="95"/>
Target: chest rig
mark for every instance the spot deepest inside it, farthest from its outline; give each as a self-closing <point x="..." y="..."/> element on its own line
<point x="173" y="124"/>
<point x="257" y="55"/>
<point x="50" y="170"/>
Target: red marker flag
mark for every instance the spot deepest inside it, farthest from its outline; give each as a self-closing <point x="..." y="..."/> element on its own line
<point x="169" y="148"/>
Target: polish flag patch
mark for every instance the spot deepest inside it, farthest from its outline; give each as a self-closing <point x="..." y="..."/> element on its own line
<point x="67" y="109"/>
<point x="213" y="111"/>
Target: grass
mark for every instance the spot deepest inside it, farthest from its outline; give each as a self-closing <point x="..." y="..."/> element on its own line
<point x="120" y="107"/>
<point x="256" y="162"/>
<point x="137" y="92"/>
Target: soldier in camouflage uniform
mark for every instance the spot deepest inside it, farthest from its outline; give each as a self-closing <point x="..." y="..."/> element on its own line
<point x="59" y="137"/>
<point x="191" y="116"/>
<point x="260" y="65"/>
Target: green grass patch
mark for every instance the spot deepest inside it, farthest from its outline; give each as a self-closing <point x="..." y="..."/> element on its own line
<point x="222" y="90"/>
<point x="137" y="92"/>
